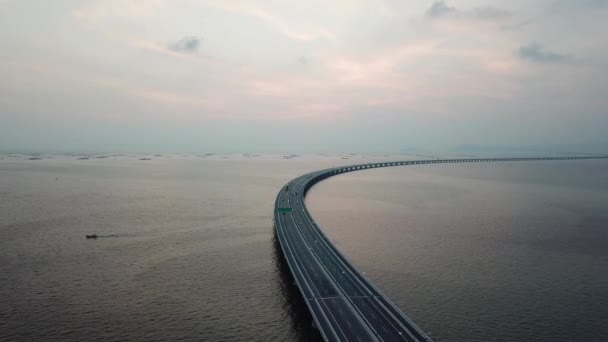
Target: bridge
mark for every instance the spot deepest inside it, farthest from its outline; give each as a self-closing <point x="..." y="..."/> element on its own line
<point x="344" y="304"/>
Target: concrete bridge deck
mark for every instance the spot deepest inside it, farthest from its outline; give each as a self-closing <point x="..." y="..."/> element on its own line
<point x="344" y="304"/>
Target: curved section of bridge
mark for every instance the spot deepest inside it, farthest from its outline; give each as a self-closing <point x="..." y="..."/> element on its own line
<point x="344" y="304"/>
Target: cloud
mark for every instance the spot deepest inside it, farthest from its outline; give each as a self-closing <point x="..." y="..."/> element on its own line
<point x="189" y="44"/>
<point x="490" y="13"/>
<point x="536" y="53"/>
<point x="518" y="25"/>
<point x="571" y="4"/>
<point x="96" y="11"/>
<point x="282" y="25"/>
<point x="440" y="9"/>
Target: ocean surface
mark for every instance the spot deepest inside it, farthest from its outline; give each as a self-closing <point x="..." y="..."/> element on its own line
<point x="187" y="252"/>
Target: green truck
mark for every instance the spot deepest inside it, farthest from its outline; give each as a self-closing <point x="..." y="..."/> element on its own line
<point x="284" y="210"/>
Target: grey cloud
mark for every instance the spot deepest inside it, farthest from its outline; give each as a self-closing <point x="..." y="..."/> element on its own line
<point x="568" y="6"/>
<point x="188" y="44"/>
<point x="517" y="26"/>
<point x="441" y="9"/>
<point x="536" y="53"/>
<point x="562" y="4"/>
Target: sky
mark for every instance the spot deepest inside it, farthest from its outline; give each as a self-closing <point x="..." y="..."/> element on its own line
<point x="277" y="76"/>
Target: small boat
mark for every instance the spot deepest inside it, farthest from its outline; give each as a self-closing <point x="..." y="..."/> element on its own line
<point x="92" y="236"/>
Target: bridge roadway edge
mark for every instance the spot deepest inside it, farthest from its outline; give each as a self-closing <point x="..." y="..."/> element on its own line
<point x="314" y="178"/>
